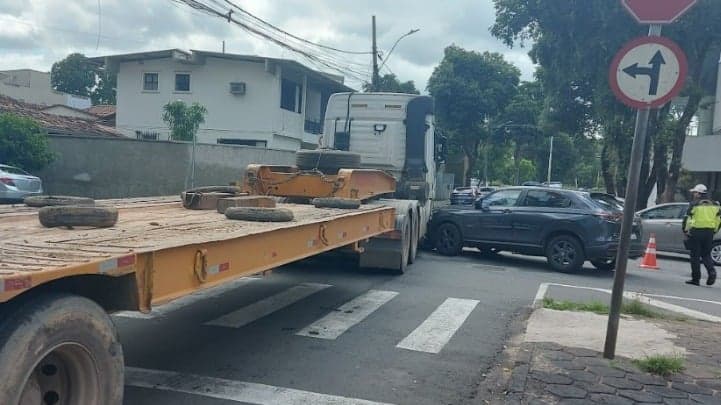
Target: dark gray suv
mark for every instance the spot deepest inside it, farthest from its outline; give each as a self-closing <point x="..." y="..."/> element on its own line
<point x="567" y="227"/>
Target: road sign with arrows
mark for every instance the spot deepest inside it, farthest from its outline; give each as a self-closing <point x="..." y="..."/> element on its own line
<point x="648" y="72"/>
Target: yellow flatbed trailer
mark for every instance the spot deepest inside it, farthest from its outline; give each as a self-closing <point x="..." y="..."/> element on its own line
<point x="58" y="280"/>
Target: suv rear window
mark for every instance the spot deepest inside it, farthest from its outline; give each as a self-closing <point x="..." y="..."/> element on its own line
<point x="11" y="170"/>
<point x="546" y="199"/>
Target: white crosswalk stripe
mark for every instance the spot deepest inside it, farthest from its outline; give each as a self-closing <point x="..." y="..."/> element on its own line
<point x="347" y="315"/>
<point x="172" y="306"/>
<point x="267" y="306"/>
<point x="435" y="332"/>
<point x="237" y="391"/>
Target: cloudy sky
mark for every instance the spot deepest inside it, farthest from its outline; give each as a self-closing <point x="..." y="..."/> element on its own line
<point x="36" y="33"/>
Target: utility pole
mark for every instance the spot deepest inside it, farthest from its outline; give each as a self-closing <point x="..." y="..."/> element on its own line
<point x="375" y="78"/>
<point x="550" y="161"/>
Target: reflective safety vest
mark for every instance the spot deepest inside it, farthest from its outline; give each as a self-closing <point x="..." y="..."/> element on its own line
<point x="705" y="215"/>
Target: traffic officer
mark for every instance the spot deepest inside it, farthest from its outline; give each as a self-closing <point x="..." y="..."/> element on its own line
<point x="702" y="221"/>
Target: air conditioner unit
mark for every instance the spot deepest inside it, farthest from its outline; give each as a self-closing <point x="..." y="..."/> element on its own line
<point x="237" y="88"/>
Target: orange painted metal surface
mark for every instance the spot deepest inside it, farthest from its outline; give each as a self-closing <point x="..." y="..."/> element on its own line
<point x="288" y="181"/>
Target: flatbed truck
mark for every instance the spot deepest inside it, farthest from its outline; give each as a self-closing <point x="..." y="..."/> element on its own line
<point x="58" y="285"/>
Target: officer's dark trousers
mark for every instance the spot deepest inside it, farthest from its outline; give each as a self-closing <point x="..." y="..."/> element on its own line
<point x="700" y="243"/>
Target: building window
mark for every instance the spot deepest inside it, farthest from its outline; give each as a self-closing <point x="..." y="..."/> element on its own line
<point x="182" y="82"/>
<point x="150" y="82"/>
<point x="290" y="96"/>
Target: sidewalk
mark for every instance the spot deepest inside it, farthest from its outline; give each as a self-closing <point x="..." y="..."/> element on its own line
<point x="556" y="360"/>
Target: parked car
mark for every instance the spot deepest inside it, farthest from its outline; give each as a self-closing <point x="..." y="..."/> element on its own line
<point x="553" y="184"/>
<point x="484" y="191"/>
<point x="463" y="196"/>
<point x="532" y="184"/>
<point x="16" y="184"/>
<point x="567" y="227"/>
<point x="664" y="221"/>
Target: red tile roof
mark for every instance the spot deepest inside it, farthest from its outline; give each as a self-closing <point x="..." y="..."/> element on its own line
<point x="102" y="110"/>
<point x="56" y="124"/>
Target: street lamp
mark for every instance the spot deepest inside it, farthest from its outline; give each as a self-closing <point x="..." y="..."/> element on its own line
<point x="411" y="32"/>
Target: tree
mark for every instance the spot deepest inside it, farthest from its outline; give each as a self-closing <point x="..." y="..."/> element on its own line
<point x="183" y="121"/>
<point x="74" y="75"/>
<point x="389" y="83"/>
<point x="574" y="42"/>
<point x="469" y="89"/>
<point x="522" y="117"/>
<point x="23" y="142"/>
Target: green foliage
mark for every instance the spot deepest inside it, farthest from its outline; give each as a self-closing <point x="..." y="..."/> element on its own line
<point x="661" y="365"/>
<point x="182" y="120"/>
<point x="76" y="75"/>
<point x="389" y="83"/>
<point x="470" y="88"/>
<point x="592" y="306"/>
<point x="23" y="143"/>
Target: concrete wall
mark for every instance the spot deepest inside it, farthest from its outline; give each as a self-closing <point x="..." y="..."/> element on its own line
<point x="701" y="153"/>
<point x="34" y="87"/>
<point x="717" y="106"/>
<point x="118" y="168"/>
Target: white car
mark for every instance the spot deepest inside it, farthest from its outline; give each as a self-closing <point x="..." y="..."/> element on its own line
<point x="16" y="184"/>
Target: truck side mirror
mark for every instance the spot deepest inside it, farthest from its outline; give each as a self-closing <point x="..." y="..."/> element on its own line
<point x="440" y="151"/>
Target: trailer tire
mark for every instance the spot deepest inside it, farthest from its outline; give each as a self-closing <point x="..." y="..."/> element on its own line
<point x="328" y="161"/>
<point x="415" y="233"/>
<point x="56" y="200"/>
<point x="98" y="217"/>
<point x="257" y="214"/>
<point x="58" y="348"/>
<point x="216" y="189"/>
<point x="405" y="248"/>
<point x="333" y="202"/>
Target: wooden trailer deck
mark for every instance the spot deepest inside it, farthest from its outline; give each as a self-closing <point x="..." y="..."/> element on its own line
<point x="172" y="250"/>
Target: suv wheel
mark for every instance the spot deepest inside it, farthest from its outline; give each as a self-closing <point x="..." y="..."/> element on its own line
<point x="565" y="254"/>
<point x="449" y="241"/>
<point x="604" y="264"/>
<point x="716" y="252"/>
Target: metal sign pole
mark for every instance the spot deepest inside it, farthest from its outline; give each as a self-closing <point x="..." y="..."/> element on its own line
<point x="629" y="211"/>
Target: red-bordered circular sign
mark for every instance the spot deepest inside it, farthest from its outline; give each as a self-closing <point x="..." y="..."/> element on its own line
<point x="648" y="72"/>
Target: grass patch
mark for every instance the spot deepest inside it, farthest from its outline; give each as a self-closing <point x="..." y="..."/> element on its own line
<point x="634" y="307"/>
<point x="592" y="306"/>
<point x="660" y="365"/>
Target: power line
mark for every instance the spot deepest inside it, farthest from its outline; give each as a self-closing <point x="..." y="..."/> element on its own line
<point x="293" y="36"/>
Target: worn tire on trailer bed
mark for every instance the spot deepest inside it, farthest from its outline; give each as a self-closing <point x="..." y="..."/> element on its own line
<point x="59" y="349"/>
<point x="216" y="189"/>
<point x="55" y="200"/>
<point x="328" y="161"/>
<point x="334" y="202"/>
<point x="98" y="217"/>
<point x="257" y="214"/>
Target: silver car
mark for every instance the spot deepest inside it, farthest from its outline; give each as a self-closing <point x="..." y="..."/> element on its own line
<point x="16" y="184"/>
<point x="664" y="221"/>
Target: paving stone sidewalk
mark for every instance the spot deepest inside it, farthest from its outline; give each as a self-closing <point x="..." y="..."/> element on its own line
<point x="546" y="373"/>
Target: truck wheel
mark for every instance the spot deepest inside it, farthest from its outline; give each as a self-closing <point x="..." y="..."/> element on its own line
<point x="334" y="202"/>
<point x="565" y="254"/>
<point x="716" y="252"/>
<point x="405" y="249"/>
<point x="449" y="241"/>
<point x="53" y="200"/>
<point x="328" y="161"/>
<point x="59" y="349"/>
<point x="98" y="217"/>
<point x="258" y="214"/>
<point x="604" y="264"/>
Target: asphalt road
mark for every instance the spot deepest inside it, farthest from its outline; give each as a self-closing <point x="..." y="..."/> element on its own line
<point x="322" y="331"/>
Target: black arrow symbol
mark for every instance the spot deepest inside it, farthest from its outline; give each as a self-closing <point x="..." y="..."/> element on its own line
<point x="652" y="72"/>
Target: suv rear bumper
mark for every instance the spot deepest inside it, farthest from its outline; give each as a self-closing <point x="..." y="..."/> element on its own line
<point x="610" y="249"/>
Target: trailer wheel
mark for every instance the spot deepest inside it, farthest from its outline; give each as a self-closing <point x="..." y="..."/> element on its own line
<point x="59" y="349"/>
<point x="258" y="214"/>
<point x="54" y="200"/>
<point x="342" y="203"/>
<point x="328" y="161"/>
<point x="98" y="217"/>
<point x="405" y="248"/>
<point x="415" y="232"/>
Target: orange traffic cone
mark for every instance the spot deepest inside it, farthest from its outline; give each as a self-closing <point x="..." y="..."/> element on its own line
<point x="649" y="259"/>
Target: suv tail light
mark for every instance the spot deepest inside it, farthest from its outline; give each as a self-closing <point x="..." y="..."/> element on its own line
<point x="7" y="181"/>
<point x="614" y="217"/>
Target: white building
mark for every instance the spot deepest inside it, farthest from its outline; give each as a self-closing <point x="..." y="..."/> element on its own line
<point x="32" y="86"/>
<point x="251" y="100"/>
